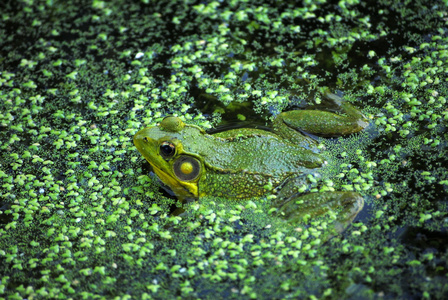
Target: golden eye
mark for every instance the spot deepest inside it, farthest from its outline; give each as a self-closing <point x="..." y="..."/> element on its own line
<point x="186" y="168"/>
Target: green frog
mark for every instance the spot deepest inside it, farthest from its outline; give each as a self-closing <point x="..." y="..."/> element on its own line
<point x="246" y="162"/>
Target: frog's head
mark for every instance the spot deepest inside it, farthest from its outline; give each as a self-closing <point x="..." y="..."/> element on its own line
<point x="162" y="146"/>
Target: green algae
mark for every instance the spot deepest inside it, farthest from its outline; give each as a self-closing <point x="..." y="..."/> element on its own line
<point x="80" y="218"/>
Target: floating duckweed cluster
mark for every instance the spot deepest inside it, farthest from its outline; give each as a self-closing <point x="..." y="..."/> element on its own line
<point x="80" y="216"/>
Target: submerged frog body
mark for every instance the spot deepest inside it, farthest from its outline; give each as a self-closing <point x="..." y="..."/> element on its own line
<point x="245" y="163"/>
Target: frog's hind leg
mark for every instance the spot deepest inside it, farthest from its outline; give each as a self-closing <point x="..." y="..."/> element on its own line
<point x="346" y="205"/>
<point x="324" y="123"/>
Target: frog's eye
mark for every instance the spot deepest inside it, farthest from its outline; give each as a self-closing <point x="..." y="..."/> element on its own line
<point x="186" y="168"/>
<point x="167" y="150"/>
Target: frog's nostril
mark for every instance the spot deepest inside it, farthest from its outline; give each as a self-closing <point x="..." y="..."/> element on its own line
<point x="145" y="139"/>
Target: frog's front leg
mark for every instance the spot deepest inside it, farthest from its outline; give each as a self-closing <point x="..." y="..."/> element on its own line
<point x="347" y="205"/>
<point x="323" y="123"/>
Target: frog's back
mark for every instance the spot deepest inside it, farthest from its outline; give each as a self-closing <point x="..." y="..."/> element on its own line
<point x="255" y="150"/>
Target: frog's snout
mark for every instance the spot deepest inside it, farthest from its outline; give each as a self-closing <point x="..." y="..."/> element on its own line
<point x="143" y="141"/>
<point x="141" y="134"/>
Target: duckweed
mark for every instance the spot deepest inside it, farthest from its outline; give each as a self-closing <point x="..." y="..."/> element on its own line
<point x="80" y="216"/>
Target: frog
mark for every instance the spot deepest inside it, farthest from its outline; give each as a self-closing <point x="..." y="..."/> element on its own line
<point x="245" y="163"/>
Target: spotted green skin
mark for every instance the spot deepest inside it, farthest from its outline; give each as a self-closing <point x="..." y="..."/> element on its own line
<point x="241" y="163"/>
<point x="245" y="163"/>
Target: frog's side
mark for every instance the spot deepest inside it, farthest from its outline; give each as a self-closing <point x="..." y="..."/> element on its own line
<point x="244" y="163"/>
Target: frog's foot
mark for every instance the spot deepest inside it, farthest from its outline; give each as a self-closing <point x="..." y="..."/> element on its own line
<point x="346" y="205"/>
<point x="324" y="123"/>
